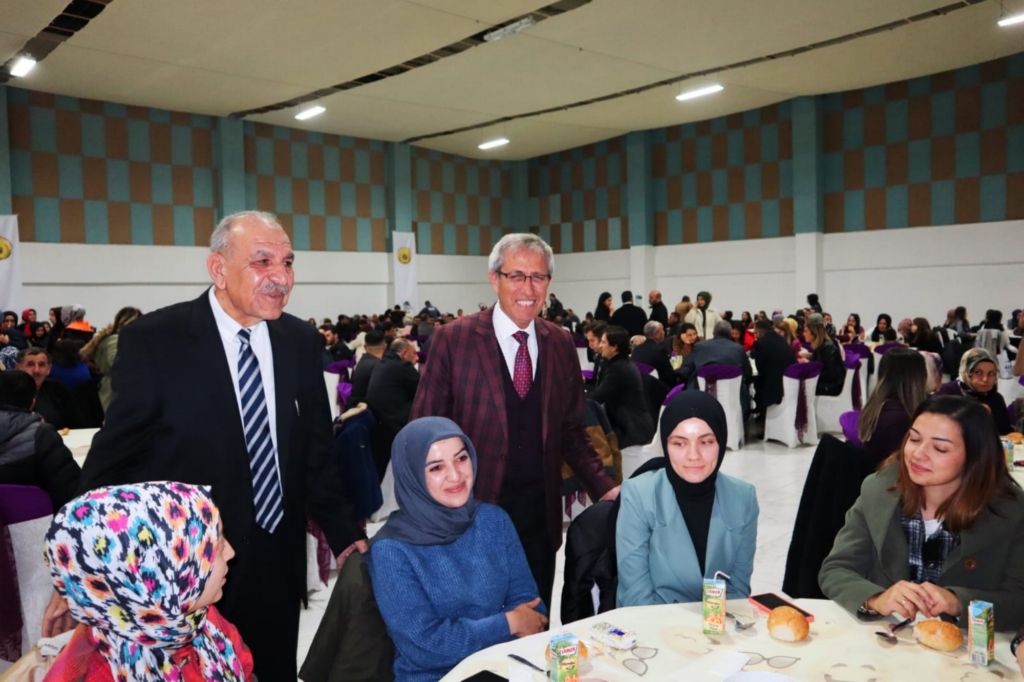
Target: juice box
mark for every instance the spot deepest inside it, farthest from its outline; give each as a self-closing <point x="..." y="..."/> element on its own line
<point x="713" y="598"/>
<point x="565" y="660"/>
<point x="1008" y="449"/>
<point x="981" y="632"/>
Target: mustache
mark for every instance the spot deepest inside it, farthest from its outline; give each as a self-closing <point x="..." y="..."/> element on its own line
<point x="271" y="288"/>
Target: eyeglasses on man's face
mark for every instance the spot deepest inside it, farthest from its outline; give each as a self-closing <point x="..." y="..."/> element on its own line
<point x="520" y="278"/>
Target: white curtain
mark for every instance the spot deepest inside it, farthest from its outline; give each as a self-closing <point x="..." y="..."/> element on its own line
<point x="11" y="295"/>
<point x="406" y="286"/>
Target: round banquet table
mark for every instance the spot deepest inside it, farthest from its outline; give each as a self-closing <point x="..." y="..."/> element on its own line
<point x="840" y="648"/>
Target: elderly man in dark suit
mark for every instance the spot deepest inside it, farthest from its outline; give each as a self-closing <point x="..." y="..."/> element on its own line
<point x="772" y="355"/>
<point x="654" y="353"/>
<point x="718" y="350"/>
<point x="659" y="313"/>
<point x="227" y="391"/>
<point x="512" y="382"/>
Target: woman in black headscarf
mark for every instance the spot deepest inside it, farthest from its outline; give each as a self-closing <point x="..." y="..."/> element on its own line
<point x="683" y="523"/>
<point x="449" y="573"/>
<point x="883" y="330"/>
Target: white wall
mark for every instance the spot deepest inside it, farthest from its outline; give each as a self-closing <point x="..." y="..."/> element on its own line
<point x="580" y="278"/>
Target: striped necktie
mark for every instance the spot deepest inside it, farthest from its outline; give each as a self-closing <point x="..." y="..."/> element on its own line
<point x="266" y="481"/>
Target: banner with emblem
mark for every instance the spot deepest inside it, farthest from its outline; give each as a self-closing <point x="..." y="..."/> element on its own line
<point x="11" y="295"/>
<point x="407" y="292"/>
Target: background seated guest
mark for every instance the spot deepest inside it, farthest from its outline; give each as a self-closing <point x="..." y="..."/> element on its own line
<point x="903" y="329"/>
<point x="786" y="328"/>
<point x="653" y="352"/>
<point x="31" y="452"/>
<point x="922" y="337"/>
<point x="10" y="335"/>
<point x="993" y="320"/>
<point x="75" y="326"/>
<point x="978" y="380"/>
<point x="703" y="316"/>
<point x="630" y="317"/>
<point x="814" y="303"/>
<point x="941" y="524"/>
<point x="956" y="320"/>
<point x="683" y="344"/>
<point x="449" y="573"/>
<point x="621" y="391"/>
<point x="720" y="350"/>
<point x="594" y="332"/>
<point x="741" y="335"/>
<point x="681" y="524"/>
<point x="28" y="319"/>
<point x="902" y="386"/>
<point x="170" y="629"/>
<point x="102" y="350"/>
<point x="389" y="395"/>
<point x="882" y="325"/>
<point x="833" y="371"/>
<point x="374" y="347"/>
<point x="334" y="348"/>
<point x="852" y="329"/>
<point x="54" y="402"/>
<point x="68" y="366"/>
<point x="772" y="355"/>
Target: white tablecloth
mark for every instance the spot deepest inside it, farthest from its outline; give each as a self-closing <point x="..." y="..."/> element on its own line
<point x="840" y="648"/>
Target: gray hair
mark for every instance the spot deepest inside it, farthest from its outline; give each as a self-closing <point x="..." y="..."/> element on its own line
<point x="722" y="329"/>
<point x="520" y="241"/>
<point x="651" y="328"/>
<point x="220" y="240"/>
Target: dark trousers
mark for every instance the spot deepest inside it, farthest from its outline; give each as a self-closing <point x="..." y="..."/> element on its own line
<point x="259" y="602"/>
<point x="529" y="516"/>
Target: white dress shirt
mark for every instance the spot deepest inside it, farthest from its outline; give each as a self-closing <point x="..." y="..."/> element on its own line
<point x="504" y="328"/>
<point x="259" y="341"/>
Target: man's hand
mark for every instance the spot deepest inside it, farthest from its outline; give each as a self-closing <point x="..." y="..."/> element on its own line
<point x="57" y="617"/>
<point x="612" y="494"/>
<point x="362" y="546"/>
<point x="359" y="545"/>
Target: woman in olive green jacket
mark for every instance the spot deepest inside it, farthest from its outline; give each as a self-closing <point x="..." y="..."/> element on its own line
<point x="102" y="351"/>
<point x="941" y="524"/>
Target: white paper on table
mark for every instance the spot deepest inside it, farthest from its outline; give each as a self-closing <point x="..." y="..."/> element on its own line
<point x="517" y="672"/>
<point x="730" y="664"/>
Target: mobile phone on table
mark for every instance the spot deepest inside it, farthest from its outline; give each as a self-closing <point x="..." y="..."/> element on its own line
<point x="769" y="600"/>
<point x="486" y="676"/>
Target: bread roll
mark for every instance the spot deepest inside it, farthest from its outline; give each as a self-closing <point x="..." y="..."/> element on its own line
<point x="786" y="624"/>
<point x="939" y="635"/>
<point x="1016" y="438"/>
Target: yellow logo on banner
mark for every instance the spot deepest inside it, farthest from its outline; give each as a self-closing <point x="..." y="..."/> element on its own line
<point x="6" y="249"/>
<point x="404" y="256"/>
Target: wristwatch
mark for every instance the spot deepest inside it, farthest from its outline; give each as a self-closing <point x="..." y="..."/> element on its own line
<point x="864" y="612"/>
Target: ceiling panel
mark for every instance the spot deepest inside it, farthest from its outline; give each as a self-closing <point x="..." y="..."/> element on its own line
<point x="490" y="12"/>
<point x="528" y="138"/>
<point x="28" y="18"/>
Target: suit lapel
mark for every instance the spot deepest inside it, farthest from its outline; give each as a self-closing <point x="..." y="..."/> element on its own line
<point x="285" y="390"/>
<point x="544" y="354"/>
<point x="883" y="522"/>
<point x="684" y="565"/>
<point x="212" y="364"/>
<point x="490" y="364"/>
<point x="990" y="527"/>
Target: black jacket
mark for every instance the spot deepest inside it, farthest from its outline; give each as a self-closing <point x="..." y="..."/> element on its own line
<point x="341" y="351"/>
<point x="772" y="355"/>
<point x="361" y="377"/>
<point x="57" y="406"/>
<point x="631" y="318"/>
<point x="833" y="371"/>
<point x="652" y="353"/>
<point x="659" y="313"/>
<point x="391" y="391"/>
<point x="33" y="453"/>
<point x="717" y="351"/>
<point x="621" y="391"/>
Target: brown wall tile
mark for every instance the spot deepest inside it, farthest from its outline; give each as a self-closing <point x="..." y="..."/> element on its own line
<point x="92" y="106"/>
<point x="919" y="204"/>
<point x="589" y="205"/>
<point x="720" y="223"/>
<point x="554" y="179"/>
<point x="1014" y="196"/>
<point x="473" y="209"/>
<point x="496" y="215"/>
<point x="298" y="135"/>
<point x="689" y="226"/>
<point x="436" y="238"/>
<point x="688" y="154"/>
<point x="566" y="207"/>
<point x="1015" y="102"/>
<point x="896" y="164"/>
<point x="24" y="208"/>
<point x="556" y="239"/>
<point x="300" y="196"/>
<point x="163" y="225"/>
<point x="288" y="224"/>
<point x="625" y="232"/>
<point x="45" y="179"/>
<point x="363" y="201"/>
<point x="751" y="145"/>
<point x="615" y="201"/>
<point x="993" y="151"/>
<point x="377" y="168"/>
<point x="138" y="113"/>
<point x="734" y="121"/>
<point x="119" y="222"/>
<point x="853" y="169"/>
<point x="332" y="198"/>
<point x="460" y="178"/>
<point x="770" y="180"/>
<point x="719" y="150"/>
<point x="770" y="114"/>
<point x="919" y="118"/>
<point x="601" y="229"/>
<point x="361" y="142"/>
<point x="832" y="131"/>
<point x="69" y="132"/>
<point x="115" y="133"/>
<point x="660" y="228"/>
<point x="140" y="182"/>
<point x="349" y="234"/>
<point x="160" y="143"/>
<point x="674" y="192"/>
<point x="19" y="125"/>
<point x="737" y="183"/>
<point x="786" y="217"/>
<point x="202" y="148"/>
<point x="422" y="205"/>
<point x="265" y="196"/>
<point x="968" y="109"/>
<point x="601" y="171"/>
<point x="378" y="235"/>
<point x="182" y="186"/>
<point x="704" y="194"/>
<point x="703" y="127"/>
<point x="835" y="215"/>
<point x="874" y="208"/>
<point x="317" y="233"/>
<point x="995" y="70"/>
<point x="577" y="176"/>
<point x="968" y="200"/>
<point x="42" y="99"/>
<point x="347" y="164"/>
<point x="462" y="240"/>
<point x="853" y="99"/>
<point x="448" y="207"/>
<point x="72" y="221"/>
<point x="943" y="81"/>
<point x="659" y="161"/>
<point x="282" y="158"/>
<point x="94" y="178"/>
<point x="315" y="161"/>
<point x="577" y="237"/>
<point x="437" y="177"/>
<point x="544" y="210"/>
<point x="249" y="153"/>
<point x="874" y="125"/>
<point x="896" y="91"/>
<point x="943" y="158"/>
<point x="752" y="220"/>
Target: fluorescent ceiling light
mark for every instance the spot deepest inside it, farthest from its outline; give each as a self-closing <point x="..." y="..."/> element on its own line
<point x="504" y="31"/>
<point x="491" y="144"/>
<point x="699" y="92"/>
<point x="1012" y="19"/>
<point x="310" y="113"/>
<point x="22" y="66"/>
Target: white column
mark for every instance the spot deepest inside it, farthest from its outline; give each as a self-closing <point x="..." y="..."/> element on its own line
<point x="641" y="272"/>
<point x="809" y="260"/>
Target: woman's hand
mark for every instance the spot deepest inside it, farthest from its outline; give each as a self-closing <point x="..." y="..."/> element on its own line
<point x="523" y="620"/>
<point x="904" y="598"/>
<point x="940" y="601"/>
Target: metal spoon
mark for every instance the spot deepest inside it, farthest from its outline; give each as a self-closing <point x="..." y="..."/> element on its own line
<point x="893" y="629"/>
<point x="739" y="626"/>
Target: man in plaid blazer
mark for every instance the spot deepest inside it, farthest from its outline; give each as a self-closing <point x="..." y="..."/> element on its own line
<point x="512" y="382"/>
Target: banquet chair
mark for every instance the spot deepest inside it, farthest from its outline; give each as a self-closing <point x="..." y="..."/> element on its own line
<point x="794" y="421"/>
<point x="655" y="448"/>
<point x="829" y="407"/>
<point x="581" y="350"/>
<point x="724" y="383"/>
<point x="867" y="366"/>
<point x="644" y="367"/>
<point x="850" y="422"/>
<point x="341" y="368"/>
<point x="27" y="512"/>
<point x="331" y="380"/>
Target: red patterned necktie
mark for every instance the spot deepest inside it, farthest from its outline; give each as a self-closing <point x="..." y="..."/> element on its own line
<point x="522" y="378"/>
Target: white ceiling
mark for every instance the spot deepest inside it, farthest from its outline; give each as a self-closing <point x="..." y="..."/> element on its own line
<point x="234" y="55"/>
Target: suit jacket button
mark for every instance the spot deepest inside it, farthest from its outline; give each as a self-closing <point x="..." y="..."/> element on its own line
<point x="970" y="564"/>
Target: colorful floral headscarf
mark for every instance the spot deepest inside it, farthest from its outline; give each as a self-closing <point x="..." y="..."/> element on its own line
<point x="132" y="562"/>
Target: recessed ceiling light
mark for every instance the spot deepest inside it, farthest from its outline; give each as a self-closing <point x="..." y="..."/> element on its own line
<point x="491" y="144"/>
<point x="699" y="92"/>
<point x="310" y="113"/>
<point x="1012" y="19"/>
<point x="22" y="66"/>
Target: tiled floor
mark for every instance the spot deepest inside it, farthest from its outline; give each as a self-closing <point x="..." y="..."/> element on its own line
<point x="776" y="471"/>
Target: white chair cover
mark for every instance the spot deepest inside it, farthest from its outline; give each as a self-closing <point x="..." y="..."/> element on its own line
<point x="728" y="391"/>
<point x="654" y="448"/>
<point x="34" y="583"/>
<point x="829" y="407"/>
<point x="584" y="362"/>
<point x="331" y="380"/>
<point x="387" y="490"/>
<point x="780" y="420"/>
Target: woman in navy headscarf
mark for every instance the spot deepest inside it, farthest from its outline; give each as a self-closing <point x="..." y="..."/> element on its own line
<point x="449" y="573"/>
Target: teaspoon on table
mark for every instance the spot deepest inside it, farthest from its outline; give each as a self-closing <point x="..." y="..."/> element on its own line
<point x="893" y="629"/>
<point x="739" y="626"/>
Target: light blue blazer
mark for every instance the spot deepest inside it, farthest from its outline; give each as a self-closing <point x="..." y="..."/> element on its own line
<point x="656" y="560"/>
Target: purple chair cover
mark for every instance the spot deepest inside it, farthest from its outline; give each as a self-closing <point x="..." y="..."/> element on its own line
<point x="18" y="503"/>
<point x="579" y="342"/>
<point x="806" y="346"/>
<point x="643" y="367"/>
<point x="854" y="363"/>
<point x="588" y="375"/>
<point x="711" y="374"/>
<point x="802" y="371"/>
<point x="323" y="550"/>
<point x="421" y="356"/>
<point x="885" y="347"/>
<point x="339" y="366"/>
<point x="678" y="388"/>
<point x="1021" y="380"/>
<point x="850" y="421"/>
<point x="344" y="393"/>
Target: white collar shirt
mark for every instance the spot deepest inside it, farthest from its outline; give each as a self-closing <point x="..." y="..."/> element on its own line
<point x="259" y="341"/>
<point x="504" y="328"/>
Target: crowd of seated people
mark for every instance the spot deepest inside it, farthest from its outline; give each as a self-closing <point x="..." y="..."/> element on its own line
<point x="940" y="456"/>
